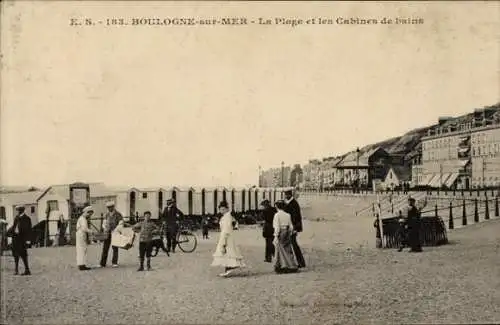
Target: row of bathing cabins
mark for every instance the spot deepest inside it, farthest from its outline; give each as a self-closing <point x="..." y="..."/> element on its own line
<point x="133" y="201"/>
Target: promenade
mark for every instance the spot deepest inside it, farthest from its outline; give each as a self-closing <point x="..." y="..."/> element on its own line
<point x="347" y="281"/>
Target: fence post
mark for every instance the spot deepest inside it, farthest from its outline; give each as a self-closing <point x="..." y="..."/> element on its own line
<point x="464" y="214"/>
<point x="486" y="210"/>
<point x="392" y="207"/>
<point x="496" y="207"/>
<point x="436" y="210"/>
<point x="450" y="222"/>
<point x="476" y="212"/>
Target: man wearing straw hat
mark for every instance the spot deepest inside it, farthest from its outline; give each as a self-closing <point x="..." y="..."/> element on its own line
<point x="21" y="233"/>
<point x="112" y="219"/>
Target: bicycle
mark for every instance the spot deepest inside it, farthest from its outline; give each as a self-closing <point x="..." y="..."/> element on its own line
<point x="185" y="239"/>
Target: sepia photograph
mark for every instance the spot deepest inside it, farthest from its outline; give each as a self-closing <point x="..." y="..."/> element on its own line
<point x="249" y="162"/>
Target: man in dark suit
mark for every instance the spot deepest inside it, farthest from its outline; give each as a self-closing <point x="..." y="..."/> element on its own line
<point x="21" y="233"/>
<point x="171" y="216"/>
<point x="414" y="224"/>
<point x="268" y="230"/>
<point x="292" y="207"/>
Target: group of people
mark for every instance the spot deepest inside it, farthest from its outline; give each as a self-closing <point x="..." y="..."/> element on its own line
<point x="282" y="223"/>
<point x="113" y="221"/>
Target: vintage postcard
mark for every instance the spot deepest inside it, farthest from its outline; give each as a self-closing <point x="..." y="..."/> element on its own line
<point x="249" y="162"/>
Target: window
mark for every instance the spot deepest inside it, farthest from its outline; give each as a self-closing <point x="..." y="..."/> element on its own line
<point x="53" y="205"/>
<point x="144" y="195"/>
<point x="32" y="210"/>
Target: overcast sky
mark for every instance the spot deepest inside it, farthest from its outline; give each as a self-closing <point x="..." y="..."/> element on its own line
<point x="150" y="106"/>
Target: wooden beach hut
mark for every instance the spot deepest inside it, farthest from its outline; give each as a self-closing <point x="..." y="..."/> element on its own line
<point x="198" y="201"/>
<point x="210" y="195"/>
<point x="238" y="199"/>
<point x="184" y="199"/>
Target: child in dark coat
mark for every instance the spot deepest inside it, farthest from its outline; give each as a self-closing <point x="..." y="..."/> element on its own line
<point x="146" y="230"/>
<point x="204" y="227"/>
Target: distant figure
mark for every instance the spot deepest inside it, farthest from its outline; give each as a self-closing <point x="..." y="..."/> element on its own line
<point x="292" y="207"/>
<point x="401" y="234"/>
<point x="227" y="253"/>
<point x="62" y="225"/>
<point x="204" y="226"/>
<point x="146" y="228"/>
<point x="283" y="232"/>
<point x="414" y="224"/>
<point x="113" y="218"/>
<point x="82" y="238"/>
<point x="3" y="235"/>
<point x="378" y="236"/>
<point x="21" y="232"/>
<point x="268" y="230"/>
<point x="171" y="217"/>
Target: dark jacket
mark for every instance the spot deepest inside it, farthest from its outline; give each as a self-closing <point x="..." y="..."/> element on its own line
<point x="171" y="215"/>
<point x="112" y="220"/>
<point x="268" y="216"/>
<point x="293" y="209"/>
<point x="23" y="224"/>
<point x="413" y="218"/>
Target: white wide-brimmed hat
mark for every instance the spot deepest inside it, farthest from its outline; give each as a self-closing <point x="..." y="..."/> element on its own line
<point x="110" y="204"/>
<point x="87" y="209"/>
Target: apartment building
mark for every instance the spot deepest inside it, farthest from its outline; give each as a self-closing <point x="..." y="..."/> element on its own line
<point x="461" y="152"/>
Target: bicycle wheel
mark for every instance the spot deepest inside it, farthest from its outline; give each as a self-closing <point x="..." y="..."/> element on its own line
<point x="186" y="241"/>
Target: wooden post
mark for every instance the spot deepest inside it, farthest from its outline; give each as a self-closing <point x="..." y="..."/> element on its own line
<point x="476" y="212"/>
<point x="496" y="207"/>
<point x="450" y="222"/>
<point x="486" y="210"/>
<point x="464" y="214"/>
<point x="436" y="210"/>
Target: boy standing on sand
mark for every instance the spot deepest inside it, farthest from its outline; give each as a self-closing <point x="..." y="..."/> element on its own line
<point x="145" y="229"/>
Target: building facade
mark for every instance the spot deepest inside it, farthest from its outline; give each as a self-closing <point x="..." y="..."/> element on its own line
<point x="485" y="158"/>
<point x="461" y="152"/>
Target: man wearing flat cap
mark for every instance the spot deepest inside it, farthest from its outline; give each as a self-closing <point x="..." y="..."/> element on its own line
<point x="21" y="233"/>
<point x="268" y="230"/>
<point x="111" y="221"/>
<point x="293" y="208"/>
<point x="171" y="216"/>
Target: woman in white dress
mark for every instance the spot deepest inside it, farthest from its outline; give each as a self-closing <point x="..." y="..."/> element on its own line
<point x="227" y="253"/>
<point x="82" y="238"/>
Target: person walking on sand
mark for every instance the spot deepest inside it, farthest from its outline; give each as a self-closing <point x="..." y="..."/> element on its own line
<point x="283" y="230"/>
<point x="227" y="253"/>
<point x="112" y="219"/>
<point x="268" y="230"/>
<point x="292" y="207"/>
<point x="82" y="238"/>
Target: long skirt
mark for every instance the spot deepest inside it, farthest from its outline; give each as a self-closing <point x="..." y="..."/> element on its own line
<point x="231" y="257"/>
<point x="81" y="248"/>
<point x="285" y="258"/>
